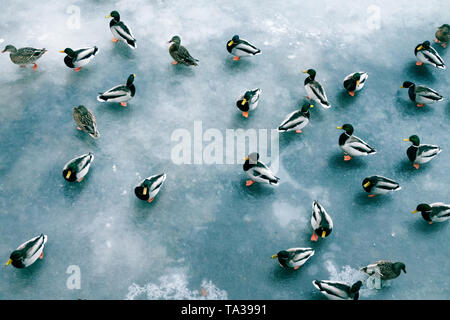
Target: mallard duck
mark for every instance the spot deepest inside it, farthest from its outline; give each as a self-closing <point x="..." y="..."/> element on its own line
<point x="320" y="222"/>
<point x="421" y="94"/>
<point x="435" y="212"/>
<point x="241" y="48"/>
<point x="336" y="290"/>
<point x="352" y="145"/>
<point x="27" y="253"/>
<point x="249" y="101"/>
<point x="180" y="53"/>
<point x="425" y="53"/>
<point x="296" y="120"/>
<point x="355" y="82"/>
<point x="77" y="168"/>
<point x="420" y="153"/>
<point x="443" y="35"/>
<point x="85" y="120"/>
<point x="258" y="171"/>
<point x="120" y="30"/>
<point x="149" y="187"/>
<point x="293" y="258"/>
<point x="120" y="93"/>
<point x="24" y="56"/>
<point x="78" y="58"/>
<point x="377" y="185"/>
<point x="385" y="270"/>
<point x="315" y="90"/>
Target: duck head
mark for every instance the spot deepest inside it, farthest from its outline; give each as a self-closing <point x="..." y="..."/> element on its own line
<point x="348" y="128"/>
<point x="306" y="107"/>
<point x="425" y="210"/>
<point x="311" y="72"/>
<point x="176" y="40"/>
<point x="414" y="140"/>
<point x="130" y="79"/>
<point x="283" y="257"/>
<point x="69" y="175"/>
<point x="9" y="48"/>
<point x="233" y="40"/>
<point x="407" y="84"/>
<point x="251" y="160"/>
<point x="115" y="15"/>
<point x="400" y="266"/>
<point x="424" y="45"/>
<point x="69" y="52"/>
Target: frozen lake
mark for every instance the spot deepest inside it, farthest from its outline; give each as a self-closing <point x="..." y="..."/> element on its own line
<point x="206" y="229"/>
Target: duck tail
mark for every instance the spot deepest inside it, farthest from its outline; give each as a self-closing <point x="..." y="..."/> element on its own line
<point x="132" y="43"/>
<point x="101" y="98"/>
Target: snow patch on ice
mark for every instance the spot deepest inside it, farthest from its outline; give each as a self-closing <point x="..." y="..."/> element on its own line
<point x="175" y="287"/>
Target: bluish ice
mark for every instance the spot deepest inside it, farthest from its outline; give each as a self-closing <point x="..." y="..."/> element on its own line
<point x="206" y="229"/>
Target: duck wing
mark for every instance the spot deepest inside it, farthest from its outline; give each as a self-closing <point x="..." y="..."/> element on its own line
<point x="427" y="93"/>
<point x="32" y="246"/>
<point x="292" y="120"/>
<point x="433" y="57"/>
<point x="118" y="91"/>
<point x="185" y="57"/>
<point x="359" y="145"/>
<point x="319" y="92"/>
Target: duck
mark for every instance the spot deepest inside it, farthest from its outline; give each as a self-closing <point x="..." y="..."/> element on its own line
<point x="336" y="290"/>
<point x="24" y="56"/>
<point x="77" y="168"/>
<point x="180" y="54"/>
<point x="443" y="35"/>
<point x="434" y="212"/>
<point x="377" y="185"/>
<point x="425" y="53"/>
<point x="78" y="58"/>
<point x="352" y="145"/>
<point x="28" y="253"/>
<point x="85" y="120"/>
<point x="241" y="48"/>
<point x="150" y="187"/>
<point x="385" y="270"/>
<point x="315" y="90"/>
<point x="120" y="30"/>
<point x="297" y="120"/>
<point x="355" y="82"/>
<point x="420" y="153"/>
<point x="258" y="171"/>
<point x="421" y="94"/>
<point x="248" y="101"/>
<point x="320" y="222"/>
<point x="120" y="93"/>
<point x="293" y="258"/>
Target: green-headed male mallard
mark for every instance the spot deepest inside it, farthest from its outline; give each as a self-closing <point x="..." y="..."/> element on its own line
<point x="420" y="153"/>
<point x="120" y="30"/>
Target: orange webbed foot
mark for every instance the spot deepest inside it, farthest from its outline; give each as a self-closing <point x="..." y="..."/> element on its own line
<point x="416" y="165"/>
<point x="77" y="69"/>
<point x="314" y="237"/>
<point x="420" y="105"/>
<point x="150" y="200"/>
<point x="347" y="158"/>
<point x="372" y="195"/>
<point x="174" y="62"/>
<point x="123" y="104"/>
<point x="42" y="255"/>
<point x="248" y="183"/>
<point x="352" y="93"/>
<point x="236" y="58"/>
<point x="444" y="45"/>
<point x="298" y="131"/>
<point x="296" y="268"/>
<point x="419" y="63"/>
<point x="115" y="40"/>
<point x="245" y="114"/>
<point x="34" y="67"/>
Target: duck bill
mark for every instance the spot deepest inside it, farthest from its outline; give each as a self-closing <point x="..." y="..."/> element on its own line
<point x="340" y="128"/>
<point x="420" y="48"/>
<point x="406" y="140"/>
<point x="311" y="106"/>
<point x="367" y="184"/>
<point x="246" y="158"/>
<point x="415" y="211"/>
<point x="305" y="71"/>
<point x="357" y="83"/>
<point x="134" y="75"/>
<point x="3" y="51"/>
<point x="244" y="101"/>
<point x="144" y="192"/>
<point x="230" y="43"/>
<point x="61" y="51"/>
<point x="108" y="16"/>
<point x="8" y="262"/>
<point x="401" y="87"/>
<point x="323" y="234"/>
<point x="68" y="174"/>
<point x="274" y="256"/>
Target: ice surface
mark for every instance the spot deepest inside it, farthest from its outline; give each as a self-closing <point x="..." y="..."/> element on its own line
<point x="205" y="228"/>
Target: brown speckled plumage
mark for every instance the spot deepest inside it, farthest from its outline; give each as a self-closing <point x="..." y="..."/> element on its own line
<point x="24" y="56"/>
<point x="85" y="120"/>
<point x="180" y="53"/>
